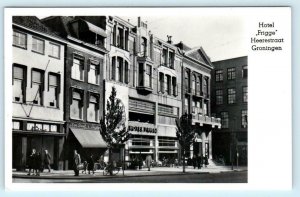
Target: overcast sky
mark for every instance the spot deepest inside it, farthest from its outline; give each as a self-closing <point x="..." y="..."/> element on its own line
<point x="221" y="36"/>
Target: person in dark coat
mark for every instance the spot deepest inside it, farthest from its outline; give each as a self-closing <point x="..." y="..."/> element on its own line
<point x="38" y="164"/>
<point x="194" y="160"/>
<point x="47" y="159"/>
<point x="31" y="161"/>
<point x="76" y="162"/>
<point x="91" y="164"/>
<point x="206" y="160"/>
<point x="199" y="161"/>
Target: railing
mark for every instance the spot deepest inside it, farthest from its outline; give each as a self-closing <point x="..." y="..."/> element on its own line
<point x="206" y="119"/>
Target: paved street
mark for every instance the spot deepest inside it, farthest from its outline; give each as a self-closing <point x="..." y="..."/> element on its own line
<point x="224" y="177"/>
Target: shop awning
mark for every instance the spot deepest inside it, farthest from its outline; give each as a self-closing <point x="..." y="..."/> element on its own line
<point x="96" y="30"/>
<point x="89" y="138"/>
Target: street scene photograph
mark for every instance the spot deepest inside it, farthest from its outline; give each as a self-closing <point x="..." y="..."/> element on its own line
<point x="129" y="99"/>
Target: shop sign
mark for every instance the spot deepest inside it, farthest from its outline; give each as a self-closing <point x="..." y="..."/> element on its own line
<point x="142" y="129"/>
<point x="84" y="125"/>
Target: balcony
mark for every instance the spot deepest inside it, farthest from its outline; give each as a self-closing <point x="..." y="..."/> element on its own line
<point x="200" y="119"/>
<point x="144" y="89"/>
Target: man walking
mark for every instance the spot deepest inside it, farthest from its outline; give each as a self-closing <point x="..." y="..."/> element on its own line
<point x="148" y="161"/>
<point x="47" y="160"/>
<point x="32" y="161"/>
<point x="76" y="163"/>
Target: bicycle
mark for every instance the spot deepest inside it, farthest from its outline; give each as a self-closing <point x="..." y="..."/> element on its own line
<point x="111" y="168"/>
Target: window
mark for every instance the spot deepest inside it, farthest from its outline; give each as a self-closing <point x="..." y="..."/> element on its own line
<point x="77" y="68"/>
<point x="141" y="74"/>
<point x="126" y="72"/>
<point x="194" y="84"/>
<point x="197" y="89"/>
<point x="120" y="38"/>
<point x="113" y="68"/>
<point x="186" y="105"/>
<point x="200" y="84"/>
<point x="54" y="50"/>
<point x="230" y="73"/>
<point x="38" y="45"/>
<point x="205" y="85"/>
<point x="164" y="57"/>
<point x="193" y="106"/>
<point x="171" y="59"/>
<point x="187" y="81"/>
<point x="168" y="90"/>
<point x="219" y="97"/>
<point x="37" y="83"/>
<point x="245" y="94"/>
<point x="224" y="119"/>
<point x="161" y="82"/>
<point x="148" y="79"/>
<point x="19" y="83"/>
<point x="144" y="47"/>
<point x="245" y="72"/>
<point x="219" y="75"/>
<point x="244" y="119"/>
<point x="205" y="108"/>
<point x="120" y="69"/>
<point x="76" y="105"/>
<point x="174" y="84"/>
<point x="54" y="89"/>
<point x="16" y="125"/>
<point x="93" y="109"/>
<point x="94" y="73"/>
<point x="41" y="127"/>
<point x="231" y="95"/>
<point x="20" y="39"/>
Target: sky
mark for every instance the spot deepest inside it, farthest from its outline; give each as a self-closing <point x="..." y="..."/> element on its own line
<point x="221" y="36"/>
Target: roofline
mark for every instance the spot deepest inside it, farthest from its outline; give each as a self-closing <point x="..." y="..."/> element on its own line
<point x="58" y="38"/>
<point x="86" y="44"/>
<point x="230" y="58"/>
<point x="196" y="61"/>
<point x="124" y="21"/>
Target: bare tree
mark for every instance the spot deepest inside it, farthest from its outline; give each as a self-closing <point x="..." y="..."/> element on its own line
<point x="112" y="125"/>
<point x="185" y="134"/>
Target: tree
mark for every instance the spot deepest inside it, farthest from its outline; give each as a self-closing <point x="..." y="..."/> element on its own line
<point x="112" y="125"/>
<point x="185" y="134"/>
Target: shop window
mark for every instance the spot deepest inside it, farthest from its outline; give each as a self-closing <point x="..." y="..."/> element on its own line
<point x="94" y="73"/>
<point x="76" y="109"/>
<point x="19" y="39"/>
<point x="231" y="95"/>
<point x="93" y="109"/>
<point x="54" y="50"/>
<point x="219" y="75"/>
<point x="244" y="118"/>
<point x="231" y="73"/>
<point x="224" y="119"/>
<point x="245" y="94"/>
<point x="161" y="82"/>
<point x="54" y="89"/>
<point x="77" y="69"/>
<point x="38" y="45"/>
<point x="19" y="83"/>
<point x="219" y="97"/>
<point x="37" y="84"/>
<point x="245" y="72"/>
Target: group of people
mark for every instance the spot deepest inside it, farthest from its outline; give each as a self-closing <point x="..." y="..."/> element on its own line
<point x="199" y="161"/>
<point x="36" y="164"/>
<point x="78" y="165"/>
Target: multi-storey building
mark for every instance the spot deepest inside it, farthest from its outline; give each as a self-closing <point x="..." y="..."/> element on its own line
<point x="196" y="85"/>
<point x="229" y="102"/>
<point x="37" y="84"/>
<point x="84" y="92"/>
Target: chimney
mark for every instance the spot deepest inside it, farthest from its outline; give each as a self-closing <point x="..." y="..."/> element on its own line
<point x="139" y="21"/>
<point x="169" y="39"/>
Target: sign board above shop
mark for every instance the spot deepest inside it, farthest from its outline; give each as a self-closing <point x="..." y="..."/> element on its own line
<point x="142" y="129"/>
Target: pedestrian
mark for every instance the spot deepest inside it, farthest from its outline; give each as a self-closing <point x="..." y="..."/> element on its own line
<point x="148" y="161"/>
<point x="176" y="162"/>
<point x="47" y="159"/>
<point x="194" y="160"/>
<point x="199" y="161"/>
<point x="38" y="164"/>
<point x="91" y="164"/>
<point x="31" y="161"/>
<point x="76" y="162"/>
<point x="206" y="160"/>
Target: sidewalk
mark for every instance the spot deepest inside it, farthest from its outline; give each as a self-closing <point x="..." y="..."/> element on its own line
<point x="157" y="171"/>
